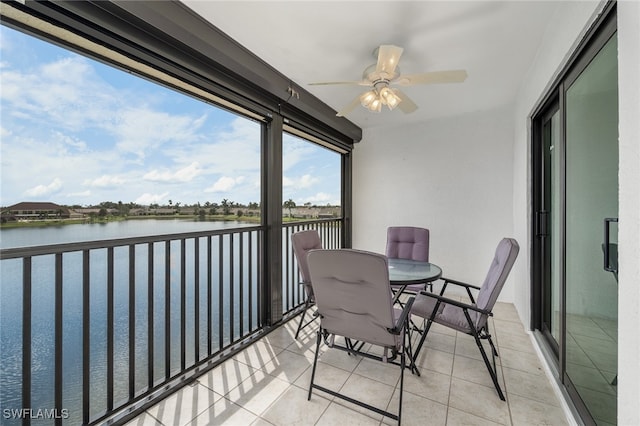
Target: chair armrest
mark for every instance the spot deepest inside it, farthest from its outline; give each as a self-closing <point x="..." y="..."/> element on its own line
<point x="397" y="329"/>
<point x="460" y="283"/>
<point x="461" y="305"/>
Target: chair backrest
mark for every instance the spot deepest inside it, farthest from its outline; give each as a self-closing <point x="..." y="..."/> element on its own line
<point x="303" y="242"/>
<point x="503" y="261"/>
<point x="408" y="242"/>
<point x="353" y="295"/>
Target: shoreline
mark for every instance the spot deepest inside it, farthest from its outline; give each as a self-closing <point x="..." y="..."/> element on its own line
<point x="87" y="221"/>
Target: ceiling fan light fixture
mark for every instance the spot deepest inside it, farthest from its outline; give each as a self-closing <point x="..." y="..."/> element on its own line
<point x="389" y="98"/>
<point x="367" y="98"/>
<point x="376" y="105"/>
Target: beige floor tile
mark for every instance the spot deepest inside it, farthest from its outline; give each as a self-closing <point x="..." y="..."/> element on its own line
<point x="306" y="347"/>
<point x="435" y="360"/>
<point x="224" y="412"/>
<point x="518" y="342"/>
<point x="475" y="371"/>
<point x="457" y="417"/>
<point x="438" y="341"/>
<point x="144" y="419"/>
<point x="479" y="400"/>
<point x="376" y="370"/>
<point x="506" y="312"/>
<point x="339" y="415"/>
<point x="369" y="391"/>
<point x="338" y="358"/>
<point x="526" y="412"/>
<point x="416" y="411"/>
<point x="466" y="346"/>
<point x="287" y="366"/>
<point x="258" y="354"/>
<point x="226" y="376"/>
<point x="510" y="327"/>
<point x="292" y="408"/>
<point x="258" y="392"/>
<point x="184" y="405"/>
<point x="327" y="376"/>
<point x="528" y="362"/>
<point x="430" y="384"/>
<point x="533" y="386"/>
<point x="267" y="384"/>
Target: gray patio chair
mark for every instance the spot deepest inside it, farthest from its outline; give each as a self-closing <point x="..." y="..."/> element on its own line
<point x="354" y="301"/>
<point x="408" y="242"/>
<point x="470" y="318"/>
<point x="302" y="243"/>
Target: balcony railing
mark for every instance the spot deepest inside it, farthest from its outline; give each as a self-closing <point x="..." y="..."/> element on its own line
<point x="99" y="329"/>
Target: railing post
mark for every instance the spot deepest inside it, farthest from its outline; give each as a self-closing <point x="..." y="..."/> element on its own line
<point x="26" y="337"/>
<point x="272" y="218"/>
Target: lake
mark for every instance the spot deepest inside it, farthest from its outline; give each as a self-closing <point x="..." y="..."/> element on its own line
<point x="43" y="312"/>
<point x="35" y="236"/>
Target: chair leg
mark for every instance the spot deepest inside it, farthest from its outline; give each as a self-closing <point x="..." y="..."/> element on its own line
<point x="307" y="303"/>
<point x="492" y="370"/>
<point x="315" y="362"/>
<point x="422" y="339"/>
<point x="402" y="366"/>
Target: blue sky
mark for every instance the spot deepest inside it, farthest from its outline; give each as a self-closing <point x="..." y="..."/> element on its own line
<point x="75" y="131"/>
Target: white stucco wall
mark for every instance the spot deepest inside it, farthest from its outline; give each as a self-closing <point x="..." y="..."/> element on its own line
<point x="452" y="176"/>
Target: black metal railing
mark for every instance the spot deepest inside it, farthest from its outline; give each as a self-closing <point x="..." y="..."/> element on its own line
<point x="123" y="319"/>
<point x="330" y="231"/>
<point x="95" y="331"/>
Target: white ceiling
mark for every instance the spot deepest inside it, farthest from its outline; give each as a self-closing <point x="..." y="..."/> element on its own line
<point x="314" y="41"/>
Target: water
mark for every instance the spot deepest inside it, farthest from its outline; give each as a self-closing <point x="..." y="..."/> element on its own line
<point x="43" y="312"/>
<point x="25" y="237"/>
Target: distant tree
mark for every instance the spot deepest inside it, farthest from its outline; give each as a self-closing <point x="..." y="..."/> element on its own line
<point x="103" y="212"/>
<point x="253" y="205"/>
<point x="239" y="213"/>
<point x="289" y="204"/>
<point x="201" y="213"/>
<point x="226" y="207"/>
<point x="170" y="203"/>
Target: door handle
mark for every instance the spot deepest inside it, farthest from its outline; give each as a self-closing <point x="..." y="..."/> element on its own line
<point x="542" y="229"/>
<point x="607" y="245"/>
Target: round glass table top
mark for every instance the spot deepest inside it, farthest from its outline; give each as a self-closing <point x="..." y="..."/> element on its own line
<point x="406" y="271"/>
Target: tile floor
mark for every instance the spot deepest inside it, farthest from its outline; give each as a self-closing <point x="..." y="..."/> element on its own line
<point x="267" y="384"/>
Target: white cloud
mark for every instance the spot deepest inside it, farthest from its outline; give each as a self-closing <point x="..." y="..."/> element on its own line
<point x="104" y="181"/>
<point x="321" y="198"/>
<point x="146" y="198"/>
<point x="141" y="128"/>
<point x="225" y="184"/>
<point x="83" y="194"/>
<point x="185" y="174"/>
<point x="43" y="190"/>
<point x="305" y="181"/>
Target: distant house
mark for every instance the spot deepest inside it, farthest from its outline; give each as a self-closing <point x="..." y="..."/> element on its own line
<point x="36" y="210"/>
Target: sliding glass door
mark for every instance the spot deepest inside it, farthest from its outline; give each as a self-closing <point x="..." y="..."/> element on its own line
<point x="575" y="230"/>
<point x="591" y="193"/>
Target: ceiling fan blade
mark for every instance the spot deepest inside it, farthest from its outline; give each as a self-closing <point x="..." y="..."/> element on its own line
<point x="388" y="57"/>
<point x="354" y="83"/>
<point x="453" y="76"/>
<point x="346" y="110"/>
<point x="406" y="105"/>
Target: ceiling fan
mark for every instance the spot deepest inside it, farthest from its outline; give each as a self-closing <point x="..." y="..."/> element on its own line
<point x="384" y="74"/>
